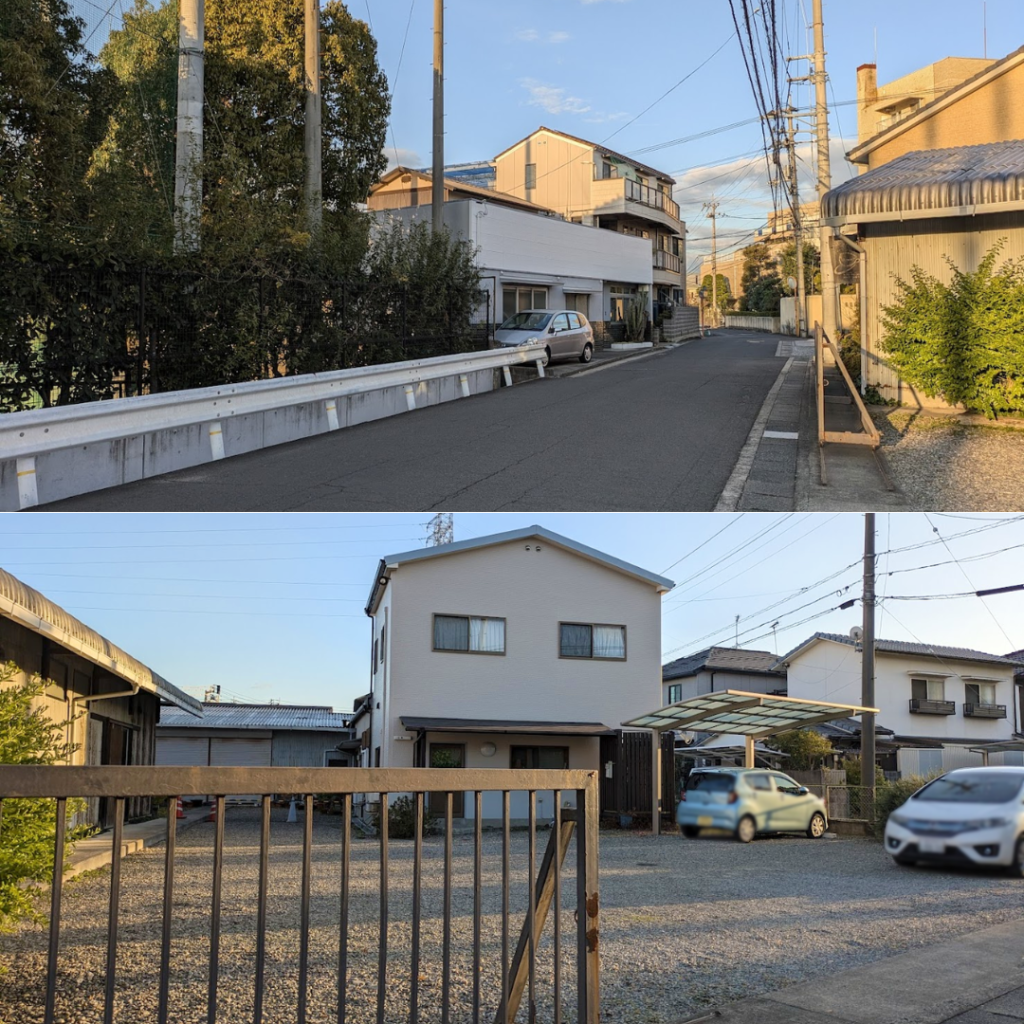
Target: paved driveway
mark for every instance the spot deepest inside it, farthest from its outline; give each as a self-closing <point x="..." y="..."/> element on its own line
<point x="657" y="433"/>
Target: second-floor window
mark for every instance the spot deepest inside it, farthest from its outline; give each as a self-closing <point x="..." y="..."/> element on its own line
<point x="531" y="175"/>
<point x="980" y="693"/>
<point x="472" y="634"/>
<point x="585" y="640"/>
<point x="675" y="692"/>
<point x="927" y="689"/>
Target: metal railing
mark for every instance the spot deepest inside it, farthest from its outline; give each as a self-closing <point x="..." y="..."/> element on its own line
<point x="666" y="261"/>
<point x="984" y="710"/>
<point x="508" y="976"/>
<point x="649" y="196"/>
<point x="26" y="435"/>
<point x="919" y="706"/>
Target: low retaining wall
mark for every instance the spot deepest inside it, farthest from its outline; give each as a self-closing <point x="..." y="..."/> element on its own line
<point x="772" y="324"/>
<point x="685" y="324"/>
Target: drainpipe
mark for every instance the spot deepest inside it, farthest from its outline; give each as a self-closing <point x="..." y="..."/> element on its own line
<point x="862" y="261"/>
<point x="103" y="696"/>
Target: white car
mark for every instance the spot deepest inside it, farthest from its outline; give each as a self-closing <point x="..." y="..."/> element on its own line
<point x="967" y="816"/>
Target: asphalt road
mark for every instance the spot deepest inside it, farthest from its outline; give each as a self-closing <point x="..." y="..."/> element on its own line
<point x="651" y="434"/>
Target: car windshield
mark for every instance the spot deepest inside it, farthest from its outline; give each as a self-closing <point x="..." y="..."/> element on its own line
<point x="717" y="783"/>
<point x="980" y="788"/>
<point x="526" y="321"/>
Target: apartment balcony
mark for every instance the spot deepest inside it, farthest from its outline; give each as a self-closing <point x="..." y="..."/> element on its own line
<point x="984" y="710"/>
<point x="612" y="196"/>
<point x="932" y="707"/>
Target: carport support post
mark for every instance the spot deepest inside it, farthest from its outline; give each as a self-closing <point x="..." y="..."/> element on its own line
<point x="656" y="782"/>
<point x="748" y="751"/>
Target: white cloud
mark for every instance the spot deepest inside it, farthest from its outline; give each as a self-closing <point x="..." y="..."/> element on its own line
<point x="402" y="158"/>
<point x="558" y="37"/>
<point x="604" y="118"/>
<point x="527" y="35"/>
<point x="531" y="35"/>
<point x="552" y="99"/>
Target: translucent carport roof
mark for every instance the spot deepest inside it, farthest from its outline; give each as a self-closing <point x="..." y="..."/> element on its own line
<point x="996" y="748"/>
<point x="747" y="714"/>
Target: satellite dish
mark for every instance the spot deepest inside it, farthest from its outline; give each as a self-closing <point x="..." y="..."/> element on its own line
<point x="856" y="634"/>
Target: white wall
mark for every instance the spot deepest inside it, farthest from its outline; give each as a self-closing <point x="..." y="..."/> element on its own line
<point x="832" y="671"/>
<point x="533" y="590"/>
<point x="706" y="681"/>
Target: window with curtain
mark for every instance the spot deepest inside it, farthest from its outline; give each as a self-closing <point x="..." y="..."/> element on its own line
<point x="583" y="640"/>
<point x="474" y="634"/>
<point x="980" y="693"/>
<point x="927" y="689"/>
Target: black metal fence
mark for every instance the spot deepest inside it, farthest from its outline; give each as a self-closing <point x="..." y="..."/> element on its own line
<point x="504" y="973"/>
<point x="73" y="334"/>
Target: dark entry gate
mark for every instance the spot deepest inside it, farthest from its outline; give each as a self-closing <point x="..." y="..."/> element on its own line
<point x="626" y="773"/>
<point x="511" y="920"/>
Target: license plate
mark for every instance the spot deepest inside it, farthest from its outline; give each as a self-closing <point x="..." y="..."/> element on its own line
<point x="705" y="820"/>
<point x="932" y="846"/>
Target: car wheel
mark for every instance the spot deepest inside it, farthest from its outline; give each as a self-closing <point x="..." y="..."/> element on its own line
<point x="547" y="357"/>
<point x="746" y="829"/>
<point x="1017" y="867"/>
<point x="587" y="354"/>
<point x="688" y="831"/>
<point x="816" y="826"/>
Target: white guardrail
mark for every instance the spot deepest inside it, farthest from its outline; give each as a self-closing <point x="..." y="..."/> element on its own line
<point x="26" y="438"/>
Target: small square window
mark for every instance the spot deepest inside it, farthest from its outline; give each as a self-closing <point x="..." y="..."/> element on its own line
<point x="531" y="175"/>
<point x="675" y="692"/>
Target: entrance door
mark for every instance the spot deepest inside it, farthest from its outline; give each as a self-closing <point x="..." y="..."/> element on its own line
<point x="116" y="749"/>
<point x="447" y="755"/>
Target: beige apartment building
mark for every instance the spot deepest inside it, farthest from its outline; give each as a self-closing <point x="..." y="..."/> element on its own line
<point x="958" y="101"/>
<point x="590" y="184"/>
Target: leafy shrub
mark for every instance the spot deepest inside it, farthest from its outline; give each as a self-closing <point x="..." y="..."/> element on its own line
<point x="963" y="341"/>
<point x="402" y="819"/>
<point x="28" y="736"/>
<point x="807" y="749"/>
<point x="890" y="795"/>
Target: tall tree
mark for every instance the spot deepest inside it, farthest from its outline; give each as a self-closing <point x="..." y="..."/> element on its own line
<point x="812" y="267"/>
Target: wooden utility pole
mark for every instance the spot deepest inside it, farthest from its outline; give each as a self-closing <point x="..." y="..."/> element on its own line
<point x="712" y="209"/>
<point x="188" y="148"/>
<point x="312" y="139"/>
<point x="829" y="296"/>
<point x="798" y="229"/>
<point x="437" y="179"/>
<point x="867" y="682"/>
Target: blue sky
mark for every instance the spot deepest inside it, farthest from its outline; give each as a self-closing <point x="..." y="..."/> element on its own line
<point x="592" y="67"/>
<point x="270" y="606"/>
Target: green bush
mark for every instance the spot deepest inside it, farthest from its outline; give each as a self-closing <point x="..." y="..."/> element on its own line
<point x="402" y="819"/>
<point x="28" y="736"/>
<point x="963" y="341"/>
<point x="806" y="748"/>
<point x="890" y="795"/>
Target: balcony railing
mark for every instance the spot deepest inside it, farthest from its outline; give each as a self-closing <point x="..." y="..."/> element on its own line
<point x="984" y="710"/>
<point x="666" y="261"/>
<point x="932" y="707"/>
<point x="638" y="193"/>
<point x="403" y="927"/>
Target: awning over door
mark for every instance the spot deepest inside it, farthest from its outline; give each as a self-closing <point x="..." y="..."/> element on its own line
<point x="493" y="725"/>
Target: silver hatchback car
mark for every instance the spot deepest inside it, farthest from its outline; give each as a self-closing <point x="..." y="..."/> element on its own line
<point x="748" y="801"/>
<point x="563" y="332"/>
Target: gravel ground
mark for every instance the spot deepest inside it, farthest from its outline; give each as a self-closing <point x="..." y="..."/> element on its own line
<point x="947" y="466"/>
<point x="684" y="925"/>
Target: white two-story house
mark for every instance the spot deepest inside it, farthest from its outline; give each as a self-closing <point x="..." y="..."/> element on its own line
<point x="938" y="701"/>
<point x="515" y="650"/>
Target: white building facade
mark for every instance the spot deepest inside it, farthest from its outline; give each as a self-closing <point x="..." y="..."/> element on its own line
<point x="517" y="650"/>
<point x="939" y="701"/>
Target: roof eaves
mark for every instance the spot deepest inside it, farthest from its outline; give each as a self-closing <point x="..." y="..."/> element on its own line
<point x="859" y="153"/>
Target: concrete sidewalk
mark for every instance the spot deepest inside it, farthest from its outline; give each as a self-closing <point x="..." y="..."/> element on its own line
<point x="95" y="852"/>
<point x="976" y="979"/>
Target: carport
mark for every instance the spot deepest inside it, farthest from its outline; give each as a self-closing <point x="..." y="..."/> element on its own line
<point x="754" y="716"/>
<point x="996" y="748"/>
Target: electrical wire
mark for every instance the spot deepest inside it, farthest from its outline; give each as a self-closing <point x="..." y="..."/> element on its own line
<point x="732" y="522"/>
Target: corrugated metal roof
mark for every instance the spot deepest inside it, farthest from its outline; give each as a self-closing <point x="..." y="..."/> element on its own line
<point x="723" y="659"/>
<point x="304" y="718"/>
<point x="29" y="608"/>
<point x="506" y="725"/>
<point x="904" y="647"/>
<point x="941" y="182"/>
<point x="530" y="532"/>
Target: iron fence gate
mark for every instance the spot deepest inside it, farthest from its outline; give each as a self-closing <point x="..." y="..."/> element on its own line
<point x="552" y="970"/>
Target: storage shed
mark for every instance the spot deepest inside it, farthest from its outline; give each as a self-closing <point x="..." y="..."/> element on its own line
<point x="922" y="209"/>
<point x="255" y="735"/>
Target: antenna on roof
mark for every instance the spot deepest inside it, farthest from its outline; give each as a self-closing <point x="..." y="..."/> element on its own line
<point x="441" y="529"/>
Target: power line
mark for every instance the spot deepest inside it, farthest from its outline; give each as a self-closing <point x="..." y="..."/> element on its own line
<point x="732" y="522"/>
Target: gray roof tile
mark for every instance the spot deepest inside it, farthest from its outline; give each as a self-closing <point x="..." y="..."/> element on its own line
<point x="259" y="716"/>
<point x="723" y="659"/>
<point x="905" y="647"/>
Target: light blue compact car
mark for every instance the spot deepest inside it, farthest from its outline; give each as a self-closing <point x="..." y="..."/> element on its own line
<point x="748" y="801"/>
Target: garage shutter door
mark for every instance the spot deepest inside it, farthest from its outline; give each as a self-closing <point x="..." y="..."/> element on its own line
<point x="239" y="753"/>
<point x="184" y="751"/>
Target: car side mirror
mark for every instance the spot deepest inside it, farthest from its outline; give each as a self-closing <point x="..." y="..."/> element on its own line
<point x="551" y="330"/>
<point x="803" y="791"/>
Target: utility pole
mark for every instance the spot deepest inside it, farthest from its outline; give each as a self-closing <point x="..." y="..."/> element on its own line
<point x="829" y="298"/>
<point x="437" y="178"/>
<point x="188" y="149"/>
<point x="712" y="209"/>
<point x="313" y="144"/>
<point x="867" y="680"/>
<point x="798" y="229"/>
